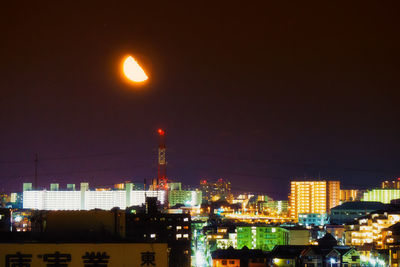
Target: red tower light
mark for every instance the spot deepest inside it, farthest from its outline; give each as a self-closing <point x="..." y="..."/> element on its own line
<point x="161" y="132"/>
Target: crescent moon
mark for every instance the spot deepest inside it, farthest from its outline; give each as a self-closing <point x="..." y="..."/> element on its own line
<point x="133" y="71"/>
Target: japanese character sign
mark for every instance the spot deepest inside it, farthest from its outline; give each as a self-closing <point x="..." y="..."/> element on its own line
<point x="148" y="258"/>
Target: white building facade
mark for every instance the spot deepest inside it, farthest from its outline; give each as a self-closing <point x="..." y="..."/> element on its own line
<point x="86" y="199"/>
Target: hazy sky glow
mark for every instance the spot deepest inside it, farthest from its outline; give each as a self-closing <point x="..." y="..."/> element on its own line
<point x="256" y="93"/>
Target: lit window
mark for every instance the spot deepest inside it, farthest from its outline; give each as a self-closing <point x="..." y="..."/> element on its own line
<point x="178" y="236"/>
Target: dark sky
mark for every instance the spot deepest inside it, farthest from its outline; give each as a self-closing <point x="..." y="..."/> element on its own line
<point x="256" y="93"/>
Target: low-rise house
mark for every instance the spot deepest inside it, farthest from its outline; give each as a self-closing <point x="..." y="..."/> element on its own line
<point x="286" y="256"/>
<point x="343" y="256"/>
<point x="239" y="258"/>
<point x="313" y="256"/>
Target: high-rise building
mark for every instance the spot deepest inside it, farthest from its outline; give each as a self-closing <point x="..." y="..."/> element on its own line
<point x="347" y="195"/>
<point x="395" y="184"/>
<point x="313" y="197"/>
<point x="381" y="195"/>
<point x="333" y="194"/>
<point x="214" y="191"/>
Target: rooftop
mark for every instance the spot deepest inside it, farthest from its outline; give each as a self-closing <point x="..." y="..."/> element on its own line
<point x="243" y="253"/>
<point x="360" y="205"/>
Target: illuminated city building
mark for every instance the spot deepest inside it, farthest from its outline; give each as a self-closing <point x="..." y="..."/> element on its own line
<point x="218" y="236"/>
<point x="229" y="240"/>
<point x="21" y="220"/>
<point x="216" y="190"/>
<point x="86" y="199"/>
<point x="101" y="198"/>
<point x="395" y="184"/>
<point x="381" y="195"/>
<point x="332" y="194"/>
<point x="369" y="229"/>
<point x="120" y="186"/>
<point x="190" y="198"/>
<point x="71" y="187"/>
<point x="27" y="187"/>
<point x="14" y="197"/>
<point x="394" y="255"/>
<point x="239" y="257"/>
<point x="347" y="195"/>
<point x="316" y="219"/>
<point x="242" y="199"/>
<point x="4" y="199"/>
<point x="16" y="201"/>
<point x="299" y="235"/>
<point x="342" y="256"/>
<point x="313" y="197"/>
<point x="391" y="235"/>
<point x="261" y="237"/>
<point x="278" y="206"/>
<point x="321" y="255"/>
<point x="349" y="211"/>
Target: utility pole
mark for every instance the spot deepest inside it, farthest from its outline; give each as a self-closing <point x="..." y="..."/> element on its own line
<point x="36" y="167"/>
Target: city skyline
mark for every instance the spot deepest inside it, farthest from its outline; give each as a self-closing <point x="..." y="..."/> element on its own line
<point x="262" y="93"/>
<point x="199" y="134"/>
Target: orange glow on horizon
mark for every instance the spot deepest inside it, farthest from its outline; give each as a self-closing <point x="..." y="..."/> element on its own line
<point x="133" y="71"/>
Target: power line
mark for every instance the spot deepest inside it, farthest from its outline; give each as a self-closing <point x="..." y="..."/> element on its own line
<point x="308" y="165"/>
<point x="214" y="155"/>
<point x="73" y="157"/>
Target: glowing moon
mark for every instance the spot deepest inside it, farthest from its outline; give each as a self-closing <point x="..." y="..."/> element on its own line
<point x="133" y="71"/>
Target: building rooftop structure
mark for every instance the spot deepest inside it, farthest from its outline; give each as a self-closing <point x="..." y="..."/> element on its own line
<point x="349" y="211"/>
<point x="358" y="205"/>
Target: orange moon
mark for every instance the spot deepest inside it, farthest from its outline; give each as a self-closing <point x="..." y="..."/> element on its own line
<point x="133" y="71"/>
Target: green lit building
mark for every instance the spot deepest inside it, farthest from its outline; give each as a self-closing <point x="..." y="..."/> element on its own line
<point x="261" y="237"/>
<point x="280" y="206"/>
<point x="381" y="195"/>
<point x="185" y="197"/>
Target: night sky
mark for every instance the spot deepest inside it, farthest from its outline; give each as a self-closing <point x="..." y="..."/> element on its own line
<point x="256" y="93"/>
